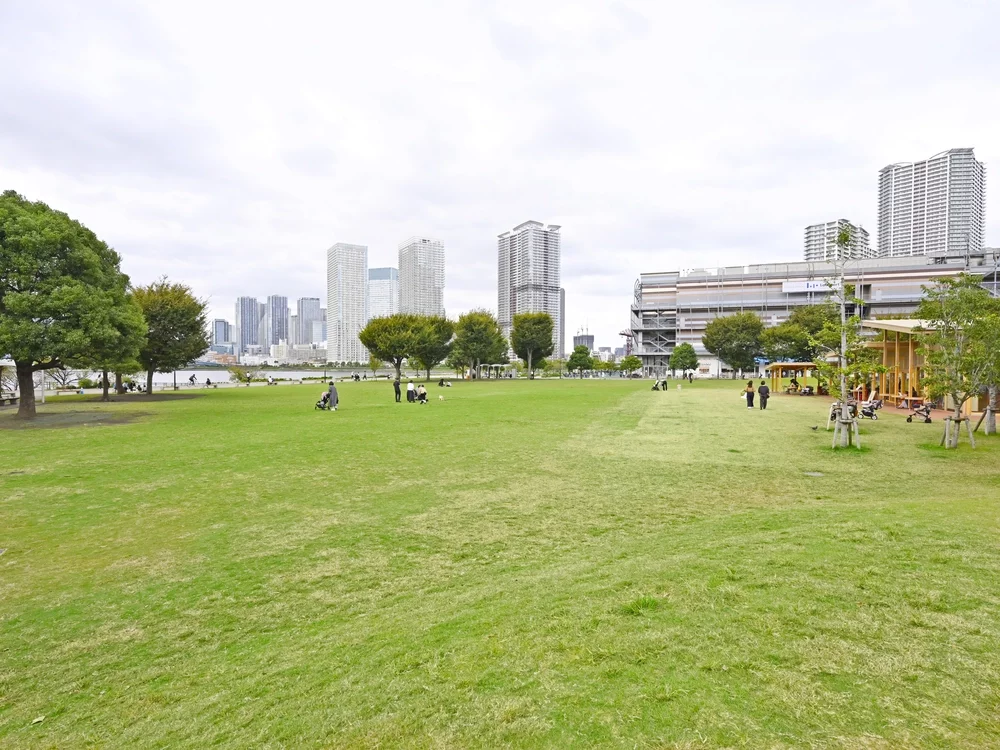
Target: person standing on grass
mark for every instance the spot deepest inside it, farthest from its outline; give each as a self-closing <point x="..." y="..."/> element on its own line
<point x="411" y="393"/>
<point x="334" y="399"/>
<point x="395" y="387"/>
<point x="749" y="394"/>
<point x="765" y="394"/>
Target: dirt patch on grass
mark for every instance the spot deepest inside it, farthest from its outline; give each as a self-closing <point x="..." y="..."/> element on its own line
<point x="58" y="419"/>
<point x="130" y="398"/>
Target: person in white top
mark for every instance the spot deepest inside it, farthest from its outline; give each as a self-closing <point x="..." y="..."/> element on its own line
<point x="410" y="392"/>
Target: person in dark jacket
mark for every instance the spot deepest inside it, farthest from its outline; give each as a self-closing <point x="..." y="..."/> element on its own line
<point x="764" y="393"/>
<point x="334" y="400"/>
<point x="395" y="387"/>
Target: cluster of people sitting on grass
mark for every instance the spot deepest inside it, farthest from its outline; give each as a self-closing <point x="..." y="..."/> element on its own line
<point x="416" y="394"/>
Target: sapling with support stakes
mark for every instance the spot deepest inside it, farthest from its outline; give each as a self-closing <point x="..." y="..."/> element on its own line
<point x="854" y="361"/>
<point x="958" y="339"/>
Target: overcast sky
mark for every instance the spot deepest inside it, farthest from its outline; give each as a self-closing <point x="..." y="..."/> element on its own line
<point x="229" y="144"/>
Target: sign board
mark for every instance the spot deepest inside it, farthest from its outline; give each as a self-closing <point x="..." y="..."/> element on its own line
<point x="813" y="285"/>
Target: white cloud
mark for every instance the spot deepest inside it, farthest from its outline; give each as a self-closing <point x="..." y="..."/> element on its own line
<point x="229" y="144"/>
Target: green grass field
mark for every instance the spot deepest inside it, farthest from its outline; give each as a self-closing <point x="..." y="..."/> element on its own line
<point x="545" y="564"/>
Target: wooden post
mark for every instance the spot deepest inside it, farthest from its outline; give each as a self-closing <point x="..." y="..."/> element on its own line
<point x="968" y="428"/>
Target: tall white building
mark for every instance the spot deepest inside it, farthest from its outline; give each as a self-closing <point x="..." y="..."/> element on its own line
<point x="932" y="206"/>
<point x="247" y="323"/>
<point x="561" y="330"/>
<point x="528" y="275"/>
<point x="275" y="322"/>
<point x="421" y="276"/>
<point x="346" y="301"/>
<point x="308" y="312"/>
<point x="821" y="241"/>
<point x="383" y="292"/>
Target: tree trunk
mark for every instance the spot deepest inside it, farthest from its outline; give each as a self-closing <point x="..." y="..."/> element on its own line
<point x="842" y="360"/>
<point x="26" y="386"/>
<point x="399" y="369"/>
<point x="991" y="412"/>
<point x="529" y="365"/>
<point x="119" y="384"/>
<point x="149" y="382"/>
<point x="957" y="424"/>
<point x="104" y="385"/>
<point x="428" y="375"/>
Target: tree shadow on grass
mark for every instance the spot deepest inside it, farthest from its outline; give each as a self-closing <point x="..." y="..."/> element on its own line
<point x="64" y="418"/>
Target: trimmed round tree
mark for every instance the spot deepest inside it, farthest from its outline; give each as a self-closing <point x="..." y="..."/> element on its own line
<point x="63" y="297"/>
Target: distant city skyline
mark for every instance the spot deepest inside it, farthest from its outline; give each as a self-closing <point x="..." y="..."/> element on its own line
<point x="160" y="145"/>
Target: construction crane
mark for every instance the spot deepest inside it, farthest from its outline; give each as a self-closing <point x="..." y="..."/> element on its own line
<point x="628" y="342"/>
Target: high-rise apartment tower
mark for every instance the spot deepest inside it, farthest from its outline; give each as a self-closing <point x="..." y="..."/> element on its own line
<point x="421" y="276"/>
<point x="383" y="292"/>
<point x="247" y="323"/>
<point x="932" y="206"/>
<point x="821" y="241"/>
<point x="528" y="275"/>
<point x="308" y="311"/>
<point x="346" y="301"/>
<point x="277" y="320"/>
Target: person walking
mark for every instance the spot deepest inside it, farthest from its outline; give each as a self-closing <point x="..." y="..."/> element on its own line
<point x="411" y="393"/>
<point x="334" y="399"/>
<point x="749" y="394"/>
<point x="765" y="393"/>
<point x="395" y="387"/>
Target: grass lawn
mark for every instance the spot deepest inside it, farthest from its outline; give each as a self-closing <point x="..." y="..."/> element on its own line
<point x="536" y="564"/>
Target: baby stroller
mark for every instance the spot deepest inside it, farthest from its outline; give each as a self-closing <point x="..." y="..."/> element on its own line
<point x="869" y="408"/>
<point x="324" y="401"/>
<point x="924" y="412"/>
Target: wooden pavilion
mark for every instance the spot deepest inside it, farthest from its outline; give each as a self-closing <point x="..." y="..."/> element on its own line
<point x="781" y="370"/>
<point x="900" y="384"/>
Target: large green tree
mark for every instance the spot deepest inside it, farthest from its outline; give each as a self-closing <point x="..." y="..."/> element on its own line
<point x="391" y="338"/>
<point x="531" y="338"/>
<point x="735" y="339"/>
<point x="580" y="360"/>
<point x="177" y="328"/>
<point x="478" y="339"/>
<point x="630" y="364"/>
<point x="119" y="352"/>
<point x="788" y="342"/>
<point x="957" y="362"/>
<point x="431" y="343"/>
<point x="684" y="357"/>
<point x="60" y="292"/>
<point x="812" y="318"/>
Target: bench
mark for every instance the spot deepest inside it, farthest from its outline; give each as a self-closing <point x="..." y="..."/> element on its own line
<point x="9" y="399"/>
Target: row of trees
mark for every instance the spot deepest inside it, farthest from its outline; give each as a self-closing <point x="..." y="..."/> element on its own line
<point x="425" y="341"/>
<point x="740" y="339"/>
<point x="64" y="302"/>
<point x="581" y="361"/>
